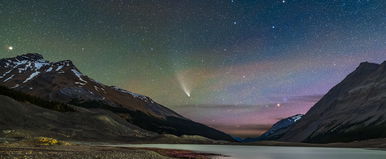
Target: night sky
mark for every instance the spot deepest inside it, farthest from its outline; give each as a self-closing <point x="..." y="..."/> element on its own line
<point x="236" y="65"/>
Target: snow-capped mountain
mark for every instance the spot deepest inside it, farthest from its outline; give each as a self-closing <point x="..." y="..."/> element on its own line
<point x="284" y="123"/>
<point x="63" y="82"/>
<point x="354" y="109"/>
<point x="277" y="130"/>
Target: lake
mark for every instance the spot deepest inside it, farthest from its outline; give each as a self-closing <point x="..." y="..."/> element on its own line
<point x="270" y="152"/>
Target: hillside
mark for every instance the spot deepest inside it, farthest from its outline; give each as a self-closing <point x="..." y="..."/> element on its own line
<point x="355" y="109"/>
<point x="20" y="120"/>
<point x="62" y="82"/>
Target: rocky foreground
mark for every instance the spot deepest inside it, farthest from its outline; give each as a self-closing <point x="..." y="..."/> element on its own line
<point x="48" y="148"/>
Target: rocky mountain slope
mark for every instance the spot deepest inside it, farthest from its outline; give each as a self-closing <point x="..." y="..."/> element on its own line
<point x="63" y="82"/>
<point x="19" y="119"/>
<point x="355" y="109"/>
<point x="277" y="130"/>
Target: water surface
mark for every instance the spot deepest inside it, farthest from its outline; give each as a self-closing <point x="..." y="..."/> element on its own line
<point x="273" y="152"/>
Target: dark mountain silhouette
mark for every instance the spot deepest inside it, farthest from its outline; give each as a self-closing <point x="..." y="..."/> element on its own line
<point x="62" y="82"/>
<point x="355" y="109"/>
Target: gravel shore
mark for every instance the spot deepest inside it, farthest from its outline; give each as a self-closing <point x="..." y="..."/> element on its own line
<point x="76" y="152"/>
<point x="50" y="148"/>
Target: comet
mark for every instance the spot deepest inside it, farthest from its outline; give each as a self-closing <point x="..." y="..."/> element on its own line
<point x="183" y="84"/>
<point x="185" y="89"/>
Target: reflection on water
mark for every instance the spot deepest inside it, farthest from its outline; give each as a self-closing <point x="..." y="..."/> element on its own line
<point x="269" y="152"/>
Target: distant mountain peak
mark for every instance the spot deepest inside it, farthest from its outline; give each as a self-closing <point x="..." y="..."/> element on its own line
<point x="30" y="57"/>
<point x="277" y="130"/>
<point x="284" y="123"/>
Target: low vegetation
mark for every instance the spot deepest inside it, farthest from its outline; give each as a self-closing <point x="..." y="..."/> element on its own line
<point x="47" y="141"/>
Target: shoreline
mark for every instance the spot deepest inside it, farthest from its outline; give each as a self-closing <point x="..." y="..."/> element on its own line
<point x="115" y="150"/>
<point x="101" y="152"/>
<point x="379" y="144"/>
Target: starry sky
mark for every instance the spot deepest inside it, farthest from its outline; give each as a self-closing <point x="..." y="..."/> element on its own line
<point x="236" y="65"/>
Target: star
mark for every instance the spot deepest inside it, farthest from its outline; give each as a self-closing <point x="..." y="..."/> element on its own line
<point x="230" y="52"/>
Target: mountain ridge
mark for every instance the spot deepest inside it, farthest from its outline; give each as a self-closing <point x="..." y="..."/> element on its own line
<point x="352" y="110"/>
<point x="63" y="82"/>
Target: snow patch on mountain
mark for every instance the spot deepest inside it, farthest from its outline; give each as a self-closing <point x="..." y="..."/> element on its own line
<point x="59" y="67"/>
<point x="79" y="75"/>
<point x="39" y="64"/>
<point x="17" y="85"/>
<point x="49" y="69"/>
<point x="8" y="78"/>
<point x="297" y="117"/>
<point x="2" y="76"/>
<point x="133" y="94"/>
<point x="32" y="76"/>
<point x="79" y="83"/>
<point x="18" y="63"/>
